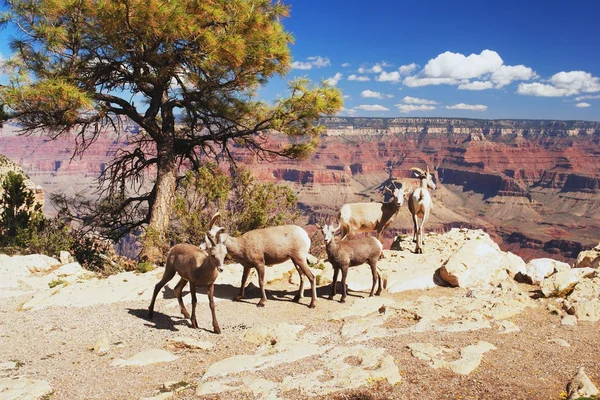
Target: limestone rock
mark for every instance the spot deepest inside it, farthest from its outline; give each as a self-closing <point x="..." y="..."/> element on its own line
<point x="70" y="269"/>
<point x="562" y="283"/>
<point x="581" y="386"/>
<point x="476" y="263"/>
<point x="190" y="343"/>
<point x="560" y="342"/>
<point x="23" y="388"/>
<point x="102" y="346"/>
<point x="588" y="310"/>
<point x="272" y="334"/>
<point x="540" y="268"/>
<point x="569" y="320"/>
<point x="66" y="257"/>
<point x="589" y="258"/>
<point x="470" y="356"/>
<point x="146" y="357"/>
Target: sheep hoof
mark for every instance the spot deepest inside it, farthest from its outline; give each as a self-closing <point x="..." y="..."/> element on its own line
<point x="186" y="315"/>
<point x="330" y="297"/>
<point x="194" y="325"/>
<point x="297" y="299"/>
<point x="378" y="293"/>
<point x="218" y="330"/>
<point x="342" y="300"/>
<point x="312" y="305"/>
<point x="238" y="298"/>
<point x="260" y="305"/>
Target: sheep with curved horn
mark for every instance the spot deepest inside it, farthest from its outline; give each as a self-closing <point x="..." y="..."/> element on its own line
<point x="420" y="204"/>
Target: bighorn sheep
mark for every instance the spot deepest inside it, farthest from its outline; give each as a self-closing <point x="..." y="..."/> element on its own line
<point x="268" y="246"/>
<point x="365" y="217"/>
<point x="350" y="253"/>
<point x="200" y="268"/>
<point x="420" y="204"/>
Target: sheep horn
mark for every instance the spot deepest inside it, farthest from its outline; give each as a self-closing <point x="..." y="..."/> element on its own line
<point x="338" y="228"/>
<point x="218" y="234"/>
<point x="211" y="240"/>
<point x="428" y="169"/>
<point x="419" y="170"/>
<point x="214" y="219"/>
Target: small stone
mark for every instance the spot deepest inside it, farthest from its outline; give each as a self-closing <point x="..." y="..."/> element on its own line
<point x="102" y="346"/>
<point x="569" y="320"/>
<point x="560" y="342"/>
<point x="581" y="386"/>
<point x="146" y="357"/>
<point x="190" y="343"/>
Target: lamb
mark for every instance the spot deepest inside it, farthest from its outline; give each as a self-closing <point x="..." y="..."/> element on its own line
<point x="365" y="217"/>
<point x="350" y="253"/>
<point x="200" y="268"/>
<point x="268" y="246"/>
<point x="420" y="204"/>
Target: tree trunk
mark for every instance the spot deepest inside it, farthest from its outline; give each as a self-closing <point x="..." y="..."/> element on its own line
<point x="154" y="243"/>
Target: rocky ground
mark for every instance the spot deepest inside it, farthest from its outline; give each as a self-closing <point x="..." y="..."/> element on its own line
<point x="492" y="338"/>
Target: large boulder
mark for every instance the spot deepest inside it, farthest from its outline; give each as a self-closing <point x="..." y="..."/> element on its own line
<point x="540" y="268"/>
<point x="584" y="301"/>
<point x="476" y="263"/>
<point x="589" y="258"/>
<point x="562" y="283"/>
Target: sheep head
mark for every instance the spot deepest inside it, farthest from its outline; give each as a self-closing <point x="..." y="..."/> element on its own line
<point x="328" y="232"/>
<point x="398" y="193"/>
<point x="424" y="175"/>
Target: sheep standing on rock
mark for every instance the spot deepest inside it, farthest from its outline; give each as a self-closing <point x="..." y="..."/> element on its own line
<point x="264" y="247"/>
<point x="420" y="204"/>
<point x="366" y="217"/>
<point x="350" y="253"/>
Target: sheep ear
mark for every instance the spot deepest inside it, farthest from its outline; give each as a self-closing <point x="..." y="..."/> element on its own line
<point x="318" y="226"/>
<point x="218" y="235"/>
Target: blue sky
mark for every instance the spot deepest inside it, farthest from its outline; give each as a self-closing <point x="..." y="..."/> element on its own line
<point x="531" y="59"/>
<point x="476" y="59"/>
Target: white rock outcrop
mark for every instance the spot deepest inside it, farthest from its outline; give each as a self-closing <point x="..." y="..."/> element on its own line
<point x="540" y="268"/>
<point x="589" y="258"/>
<point x="562" y="283"/>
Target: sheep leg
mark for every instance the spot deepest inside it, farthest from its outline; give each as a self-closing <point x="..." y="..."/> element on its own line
<point x="334" y="284"/>
<point x="211" y="302"/>
<point x="375" y="274"/>
<point x="261" y="282"/>
<point x="178" y="288"/>
<point x="167" y="276"/>
<point x="415" y="226"/>
<point x="245" y="274"/>
<point x="194" y="302"/>
<point x="344" y="289"/>
<point x="301" y="288"/>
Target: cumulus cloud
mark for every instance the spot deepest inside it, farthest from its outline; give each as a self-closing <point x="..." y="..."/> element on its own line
<point x="376" y="69"/>
<point x="583" y="105"/>
<point x="476" y="85"/>
<point x="334" y="79"/>
<point x="375" y="95"/>
<point x="416" y="100"/>
<point x="345" y="65"/>
<point x="407" y="69"/>
<point x="312" y="62"/>
<point x="458" y="66"/>
<point x="474" y="72"/>
<point x="359" y="78"/>
<point x="470" y="107"/>
<point x="406" y="108"/>
<point x="393" y="77"/>
<point x="544" y="90"/>
<point x="562" y="84"/>
<point x="415" y="81"/>
<point x="371" y="107"/>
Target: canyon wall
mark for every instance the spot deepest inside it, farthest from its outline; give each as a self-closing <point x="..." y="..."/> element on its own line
<point x="535" y="184"/>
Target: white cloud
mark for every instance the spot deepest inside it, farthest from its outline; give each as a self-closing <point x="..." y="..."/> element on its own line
<point x="509" y="73"/>
<point x="371" y="107"/>
<point x="393" y="77"/>
<point x="313" y="62"/>
<point x="583" y="105"/>
<point x="406" y="108"/>
<point x="376" y="69"/>
<point x="334" y="79"/>
<point x="375" y="95"/>
<point x="476" y="85"/>
<point x="562" y="84"/>
<point x="415" y="100"/>
<point x="587" y="97"/>
<point x="414" y="81"/>
<point x="470" y="107"/>
<point x="580" y="81"/>
<point x="345" y="65"/>
<point x="543" y="90"/>
<point x="350" y="111"/>
<point x="407" y="69"/>
<point x="458" y="66"/>
<point x="358" y="78"/>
